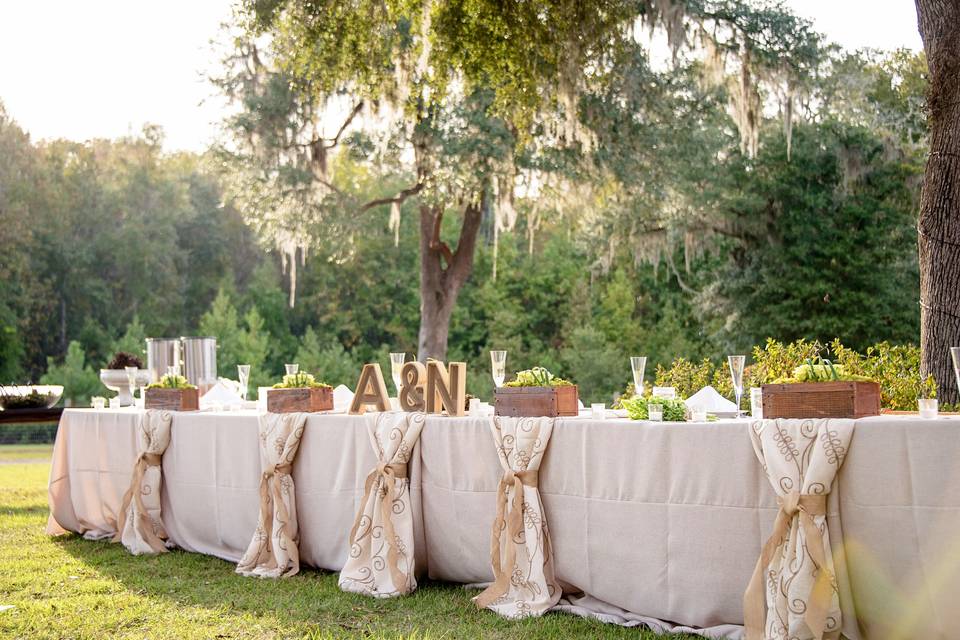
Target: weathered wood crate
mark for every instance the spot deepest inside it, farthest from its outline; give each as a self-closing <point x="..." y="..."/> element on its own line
<point x="172" y="399"/>
<point x="301" y="399"/>
<point x="529" y="402"/>
<point x="837" y="399"/>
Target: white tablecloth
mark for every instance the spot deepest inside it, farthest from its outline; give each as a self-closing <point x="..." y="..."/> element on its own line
<point x="661" y="520"/>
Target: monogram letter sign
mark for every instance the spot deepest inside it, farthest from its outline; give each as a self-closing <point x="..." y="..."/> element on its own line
<point x="446" y="390"/>
<point x="371" y="390"/>
<point x="412" y="382"/>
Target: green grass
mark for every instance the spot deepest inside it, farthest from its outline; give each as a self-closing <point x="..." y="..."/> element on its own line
<point x="69" y="587"/>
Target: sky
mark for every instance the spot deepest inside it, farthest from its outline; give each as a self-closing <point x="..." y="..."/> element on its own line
<point x="103" y="68"/>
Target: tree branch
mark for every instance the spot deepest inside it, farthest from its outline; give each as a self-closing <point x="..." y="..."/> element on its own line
<point x="346" y="123"/>
<point x="398" y="199"/>
<point x="436" y="244"/>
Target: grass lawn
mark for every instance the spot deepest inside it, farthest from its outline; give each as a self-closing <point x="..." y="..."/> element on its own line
<point x="74" y="588"/>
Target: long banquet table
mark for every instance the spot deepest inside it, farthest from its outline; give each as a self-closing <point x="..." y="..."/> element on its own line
<point x="660" y="521"/>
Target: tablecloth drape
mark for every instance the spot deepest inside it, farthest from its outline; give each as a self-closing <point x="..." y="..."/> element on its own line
<point x="273" y="551"/>
<point x="140" y="526"/>
<point x="524" y="583"/>
<point x="793" y="592"/>
<point x="382" y="545"/>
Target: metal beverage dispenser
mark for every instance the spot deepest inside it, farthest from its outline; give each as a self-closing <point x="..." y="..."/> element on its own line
<point x="162" y="353"/>
<point x="200" y="361"/>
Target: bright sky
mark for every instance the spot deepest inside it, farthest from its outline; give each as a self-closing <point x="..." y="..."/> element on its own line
<point x="103" y="68"/>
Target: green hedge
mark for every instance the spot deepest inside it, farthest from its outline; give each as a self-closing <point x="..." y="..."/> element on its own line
<point x="34" y="433"/>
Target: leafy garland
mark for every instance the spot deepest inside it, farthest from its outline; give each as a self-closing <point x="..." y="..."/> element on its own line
<point x="674" y="409"/>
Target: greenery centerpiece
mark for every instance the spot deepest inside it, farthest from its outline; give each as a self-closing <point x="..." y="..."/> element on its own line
<point x="537" y="392"/>
<point x="300" y="392"/>
<point x="821" y="390"/>
<point x="674" y="409"/>
<point x="173" y="393"/>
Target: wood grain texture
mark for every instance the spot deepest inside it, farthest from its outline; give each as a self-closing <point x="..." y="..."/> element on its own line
<point x="300" y="400"/>
<point x="446" y="390"/>
<point x="413" y="384"/>
<point x="172" y="399"/>
<point x="532" y="402"/>
<point x="821" y="400"/>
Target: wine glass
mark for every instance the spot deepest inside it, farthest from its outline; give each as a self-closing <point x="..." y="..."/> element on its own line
<point x="498" y="367"/>
<point x="243" y="372"/>
<point x="292" y="369"/>
<point x="638" y="364"/>
<point x="132" y="380"/>
<point x="736" y="376"/>
<point x="396" y="366"/>
<point x="955" y="356"/>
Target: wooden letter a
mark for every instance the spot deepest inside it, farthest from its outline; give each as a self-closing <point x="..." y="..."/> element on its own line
<point x="370" y="391"/>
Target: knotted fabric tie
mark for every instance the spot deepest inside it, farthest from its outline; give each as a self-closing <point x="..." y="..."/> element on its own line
<point x="135" y="493"/>
<point x="271" y="490"/>
<point x="803" y="507"/>
<point x="389" y="474"/>
<point x="513" y="523"/>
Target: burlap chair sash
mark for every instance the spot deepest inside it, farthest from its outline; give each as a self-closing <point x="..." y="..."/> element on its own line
<point x="793" y="591"/>
<point x="522" y="560"/>
<point x="384" y="522"/>
<point x="139" y="525"/>
<point x="273" y="551"/>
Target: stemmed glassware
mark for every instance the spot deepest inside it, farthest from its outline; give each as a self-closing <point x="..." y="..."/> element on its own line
<point x="291" y="369"/>
<point x="736" y="376"/>
<point x="498" y="367"/>
<point x="396" y="366"/>
<point x="243" y="372"/>
<point x="955" y="356"/>
<point x="132" y="380"/>
<point x="638" y="365"/>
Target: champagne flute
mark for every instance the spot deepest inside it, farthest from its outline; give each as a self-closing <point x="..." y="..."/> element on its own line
<point x="498" y="367"/>
<point x="736" y="376"/>
<point x="955" y="356"/>
<point x="638" y="364"/>
<point x="243" y="372"/>
<point x="132" y="380"/>
<point x="396" y="366"/>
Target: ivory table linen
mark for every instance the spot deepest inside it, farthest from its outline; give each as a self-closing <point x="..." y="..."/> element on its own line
<point x="139" y="525"/>
<point x="652" y="521"/>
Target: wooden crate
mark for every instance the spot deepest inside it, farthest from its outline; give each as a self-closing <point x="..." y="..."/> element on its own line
<point x="837" y="399"/>
<point x="301" y="399"/>
<point x="528" y="402"/>
<point x="172" y="399"/>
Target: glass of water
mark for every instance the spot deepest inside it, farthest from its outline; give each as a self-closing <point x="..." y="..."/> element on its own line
<point x="498" y="367"/>
<point x="292" y="369"/>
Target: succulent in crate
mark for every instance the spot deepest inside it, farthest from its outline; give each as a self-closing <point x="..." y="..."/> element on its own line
<point x="299" y="380"/>
<point x="172" y="382"/>
<point x="537" y="377"/>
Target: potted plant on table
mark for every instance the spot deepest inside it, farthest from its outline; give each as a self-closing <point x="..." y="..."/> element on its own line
<point x="638" y="408"/>
<point x="537" y="392"/>
<point x="299" y="392"/>
<point x="821" y="390"/>
<point x="172" y="393"/>
<point x="116" y="378"/>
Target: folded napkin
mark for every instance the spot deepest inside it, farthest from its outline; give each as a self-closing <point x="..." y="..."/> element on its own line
<point x="223" y="393"/>
<point x="711" y="401"/>
<point x="342" y="397"/>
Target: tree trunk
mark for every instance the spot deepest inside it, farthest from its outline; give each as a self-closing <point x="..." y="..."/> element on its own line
<point x="440" y="285"/>
<point x="939" y="223"/>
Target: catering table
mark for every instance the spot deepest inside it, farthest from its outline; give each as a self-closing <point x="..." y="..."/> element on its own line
<point x="660" y="521"/>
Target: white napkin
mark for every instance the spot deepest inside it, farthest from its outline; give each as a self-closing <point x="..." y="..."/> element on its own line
<point x="342" y="397"/>
<point x="223" y="393"/>
<point x="711" y="401"/>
